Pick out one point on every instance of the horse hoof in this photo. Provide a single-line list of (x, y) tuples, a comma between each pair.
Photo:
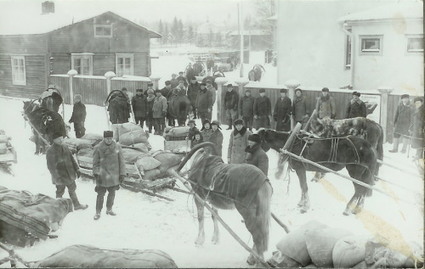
[(250, 260), (346, 213)]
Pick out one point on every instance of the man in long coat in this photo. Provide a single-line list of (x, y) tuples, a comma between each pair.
[(204, 103), (192, 93), (417, 127), (402, 122), (282, 112), (63, 169), (140, 107), (159, 110), (217, 137), (262, 110), (356, 107), (118, 109), (246, 109), (325, 105), (299, 108), (238, 143), (108, 171), (78, 116), (255, 155), (231, 102)]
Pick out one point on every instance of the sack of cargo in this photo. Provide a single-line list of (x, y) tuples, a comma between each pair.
[(181, 131), (3, 148), (115, 130), (75, 144), (146, 163), (349, 251), (131, 155), (83, 256), (142, 147), (379, 255), (94, 138), (152, 174), (167, 159), (128, 127), (294, 244), (320, 244), (281, 260), (133, 137), (4, 139)]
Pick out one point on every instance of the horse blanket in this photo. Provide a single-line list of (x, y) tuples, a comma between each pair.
[(238, 182)]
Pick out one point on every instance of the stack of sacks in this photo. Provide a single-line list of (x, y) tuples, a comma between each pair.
[(317, 245), (87, 141), (156, 164), (130, 134), (4, 143), (176, 133)]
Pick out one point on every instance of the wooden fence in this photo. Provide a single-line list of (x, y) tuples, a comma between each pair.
[(93, 88)]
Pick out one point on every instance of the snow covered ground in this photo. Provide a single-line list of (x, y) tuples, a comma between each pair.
[(145, 222)]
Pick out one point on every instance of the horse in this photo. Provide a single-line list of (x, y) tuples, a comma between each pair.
[(199, 68), (256, 72), (353, 153), (179, 107), (229, 186)]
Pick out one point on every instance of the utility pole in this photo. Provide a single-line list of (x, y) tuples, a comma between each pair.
[(242, 37)]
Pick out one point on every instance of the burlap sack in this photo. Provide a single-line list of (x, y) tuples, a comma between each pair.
[(146, 163), (128, 127), (83, 256), (131, 155), (177, 131), (152, 174), (349, 251), (133, 137), (167, 159), (142, 147)]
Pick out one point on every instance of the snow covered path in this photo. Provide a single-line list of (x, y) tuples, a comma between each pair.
[(145, 222)]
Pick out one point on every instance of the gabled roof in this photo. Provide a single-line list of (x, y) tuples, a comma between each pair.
[(396, 11), (42, 24)]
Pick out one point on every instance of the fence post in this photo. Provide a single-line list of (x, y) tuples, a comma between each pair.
[(385, 92), (71, 73), (220, 82), (292, 84), (109, 75), (241, 84), (155, 81)]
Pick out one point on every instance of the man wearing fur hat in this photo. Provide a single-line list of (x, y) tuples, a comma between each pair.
[(262, 110), (78, 116), (356, 107), (282, 112), (217, 137), (63, 169), (149, 113), (237, 143), (108, 171), (246, 109), (231, 102), (417, 127), (204, 103), (256, 155), (325, 105), (402, 122)]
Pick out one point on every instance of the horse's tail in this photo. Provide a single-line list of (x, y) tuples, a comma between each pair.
[(263, 216)]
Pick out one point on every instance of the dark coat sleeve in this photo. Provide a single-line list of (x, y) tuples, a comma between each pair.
[(363, 110)]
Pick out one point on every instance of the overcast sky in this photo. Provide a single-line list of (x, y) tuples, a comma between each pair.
[(147, 10)]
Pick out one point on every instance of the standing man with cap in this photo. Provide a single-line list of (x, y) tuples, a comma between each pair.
[(217, 137), (150, 87), (192, 130), (299, 108), (149, 114), (192, 94), (262, 110), (167, 90), (325, 105), (78, 116), (282, 112), (108, 171), (231, 101), (417, 128), (64, 169), (140, 107), (238, 143), (256, 155), (246, 109), (356, 107), (159, 110), (181, 77), (204, 103), (212, 90), (402, 122)]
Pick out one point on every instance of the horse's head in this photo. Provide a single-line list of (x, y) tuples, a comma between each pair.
[(198, 156), (30, 106), (272, 139)]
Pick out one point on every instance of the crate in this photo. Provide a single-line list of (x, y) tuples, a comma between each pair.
[(177, 146)]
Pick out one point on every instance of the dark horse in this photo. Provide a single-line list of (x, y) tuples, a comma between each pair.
[(229, 186), (256, 72), (353, 153), (179, 107)]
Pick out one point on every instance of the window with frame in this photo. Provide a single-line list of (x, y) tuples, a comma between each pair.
[(348, 51), (18, 70), (82, 63), (124, 64), (103, 30), (415, 43), (371, 44)]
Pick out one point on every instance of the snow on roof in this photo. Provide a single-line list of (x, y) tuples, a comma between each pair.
[(401, 10), (29, 23)]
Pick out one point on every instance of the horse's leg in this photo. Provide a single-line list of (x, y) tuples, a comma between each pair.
[(349, 208), (304, 203), (317, 176), (216, 234), (359, 206), (201, 232)]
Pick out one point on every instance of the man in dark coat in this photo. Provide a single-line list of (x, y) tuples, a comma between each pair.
[(217, 137), (231, 101), (282, 112), (78, 116), (192, 93), (190, 72), (108, 171), (204, 103), (192, 130), (299, 108), (181, 77), (149, 115), (63, 169), (255, 155), (167, 92), (262, 110), (246, 109), (356, 107), (118, 109), (402, 122), (140, 107), (174, 82), (159, 110), (417, 127)]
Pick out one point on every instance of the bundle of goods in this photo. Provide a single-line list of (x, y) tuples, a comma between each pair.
[(83, 256), (132, 135), (26, 218), (175, 139), (318, 245), (87, 141)]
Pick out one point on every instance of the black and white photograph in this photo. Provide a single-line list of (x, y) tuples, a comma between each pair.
[(212, 133)]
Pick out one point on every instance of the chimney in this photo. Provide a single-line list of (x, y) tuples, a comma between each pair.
[(47, 7)]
